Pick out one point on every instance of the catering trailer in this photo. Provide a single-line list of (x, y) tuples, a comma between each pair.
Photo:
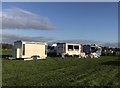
[(68, 49), (29, 50)]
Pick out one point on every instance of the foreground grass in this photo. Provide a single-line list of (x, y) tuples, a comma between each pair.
[(61, 72)]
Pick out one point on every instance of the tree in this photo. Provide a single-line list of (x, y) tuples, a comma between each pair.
[(6, 46)]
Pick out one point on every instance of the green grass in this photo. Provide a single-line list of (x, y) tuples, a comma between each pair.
[(61, 72)]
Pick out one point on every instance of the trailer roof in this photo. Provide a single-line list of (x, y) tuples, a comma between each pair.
[(70, 43), (28, 42)]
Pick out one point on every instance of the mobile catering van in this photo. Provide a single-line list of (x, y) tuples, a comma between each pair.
[(68, 49)]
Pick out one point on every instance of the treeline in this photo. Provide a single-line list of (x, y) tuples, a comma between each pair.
[(6, 46), (106, 51)]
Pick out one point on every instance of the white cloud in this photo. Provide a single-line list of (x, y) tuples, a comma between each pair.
[(16, 18), (10, 38)]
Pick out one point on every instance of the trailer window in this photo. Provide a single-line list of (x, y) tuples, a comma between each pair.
[(76, 47), (70, 47), (23, 49)]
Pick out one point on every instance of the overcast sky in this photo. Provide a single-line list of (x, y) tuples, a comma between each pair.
[(58, 21)]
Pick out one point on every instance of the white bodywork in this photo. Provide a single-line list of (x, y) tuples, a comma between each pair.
[(94, 55), (82, 55), (99, 49), (26, 50), (68, 49)]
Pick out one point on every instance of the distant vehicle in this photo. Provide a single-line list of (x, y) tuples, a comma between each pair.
[(65, 49), (94, 51), (52, 50), (86, 49), (29, 50), (68, 49)]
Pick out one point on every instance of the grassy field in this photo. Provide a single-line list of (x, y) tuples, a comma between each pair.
[(62, 72)]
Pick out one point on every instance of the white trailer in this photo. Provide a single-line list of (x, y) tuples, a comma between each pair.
[(68, 49), (29, 50)]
